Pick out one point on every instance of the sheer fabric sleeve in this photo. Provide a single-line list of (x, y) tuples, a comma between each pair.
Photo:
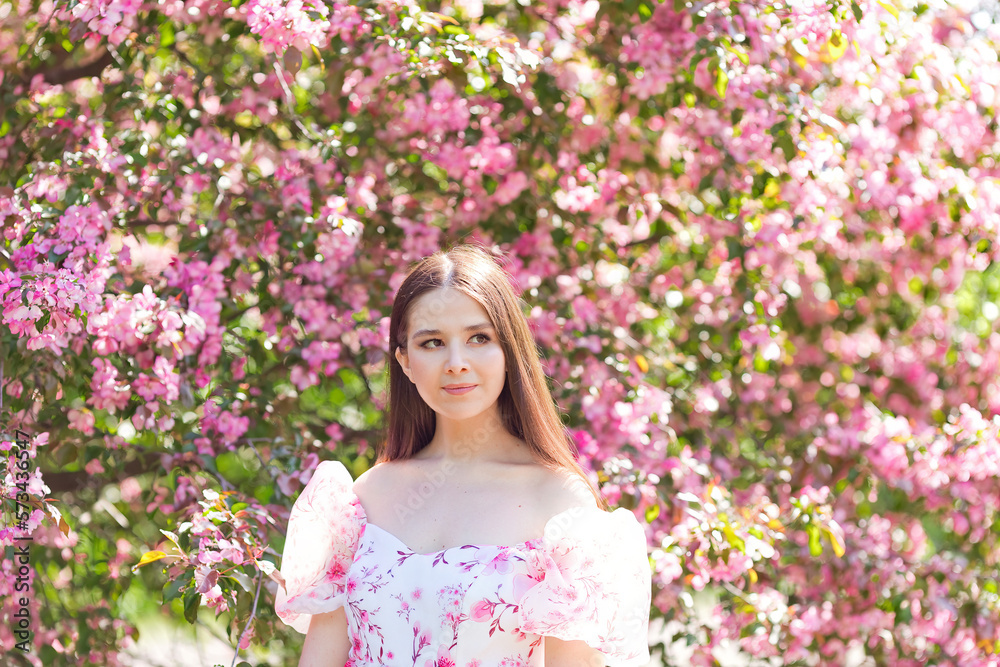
[(593, 584), (324, 526)]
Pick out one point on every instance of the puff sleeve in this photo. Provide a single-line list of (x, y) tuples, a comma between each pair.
[(593, 584), (324, 527)]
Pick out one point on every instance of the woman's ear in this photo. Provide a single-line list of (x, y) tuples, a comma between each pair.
[(403, 362)]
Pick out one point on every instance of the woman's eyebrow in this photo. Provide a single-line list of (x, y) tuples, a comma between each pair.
[(434, 332)]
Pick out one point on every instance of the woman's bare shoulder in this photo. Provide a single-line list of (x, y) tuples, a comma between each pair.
[(559, 490), (379, 478)]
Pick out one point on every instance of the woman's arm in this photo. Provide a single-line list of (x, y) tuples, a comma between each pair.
[(327, 642), (571, 654)]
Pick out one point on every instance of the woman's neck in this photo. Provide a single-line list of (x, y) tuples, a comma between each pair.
[(482, 439)]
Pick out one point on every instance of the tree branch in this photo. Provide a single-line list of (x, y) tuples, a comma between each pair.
[(93, 68), (61, 482)]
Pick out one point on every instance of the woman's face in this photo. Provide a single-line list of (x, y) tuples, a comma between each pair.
[(452, 342)]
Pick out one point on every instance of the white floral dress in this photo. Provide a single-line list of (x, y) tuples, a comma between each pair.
[(587, 579)]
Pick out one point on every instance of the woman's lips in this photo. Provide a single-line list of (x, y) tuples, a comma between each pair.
[(461, 390)]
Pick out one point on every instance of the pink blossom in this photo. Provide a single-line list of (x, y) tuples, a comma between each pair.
[(284, 24), (482, 611)]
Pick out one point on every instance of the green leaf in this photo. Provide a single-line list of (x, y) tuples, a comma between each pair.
[(319, 58), (243, 580), (645, 10), (742, 55), (231, 467), (173, 591), (815, 545), (721, 82), (192, 600), (734, 540), (856, 8), (167, 37), (760, 364), (735, 248), (787, 146), (652, 512)]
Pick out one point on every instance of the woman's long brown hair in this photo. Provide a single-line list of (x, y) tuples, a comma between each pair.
[(527, 409)]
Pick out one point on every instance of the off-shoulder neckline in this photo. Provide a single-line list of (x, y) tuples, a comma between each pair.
[(523, 544), (500, 547)]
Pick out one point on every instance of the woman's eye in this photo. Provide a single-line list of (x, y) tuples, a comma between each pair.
[(427, 343)]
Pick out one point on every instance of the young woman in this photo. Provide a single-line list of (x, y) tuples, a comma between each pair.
[(476, 540)]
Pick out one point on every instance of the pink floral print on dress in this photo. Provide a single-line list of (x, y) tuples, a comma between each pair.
[(587, 578)]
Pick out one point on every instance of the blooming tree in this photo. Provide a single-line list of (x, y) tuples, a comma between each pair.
[(757, 242)]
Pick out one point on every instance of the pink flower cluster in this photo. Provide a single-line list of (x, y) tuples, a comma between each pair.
[(763, 282), (113, 19), (298, 23), (222, 547), (35, 285)]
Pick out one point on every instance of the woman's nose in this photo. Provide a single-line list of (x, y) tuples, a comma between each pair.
[(456, 358)]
